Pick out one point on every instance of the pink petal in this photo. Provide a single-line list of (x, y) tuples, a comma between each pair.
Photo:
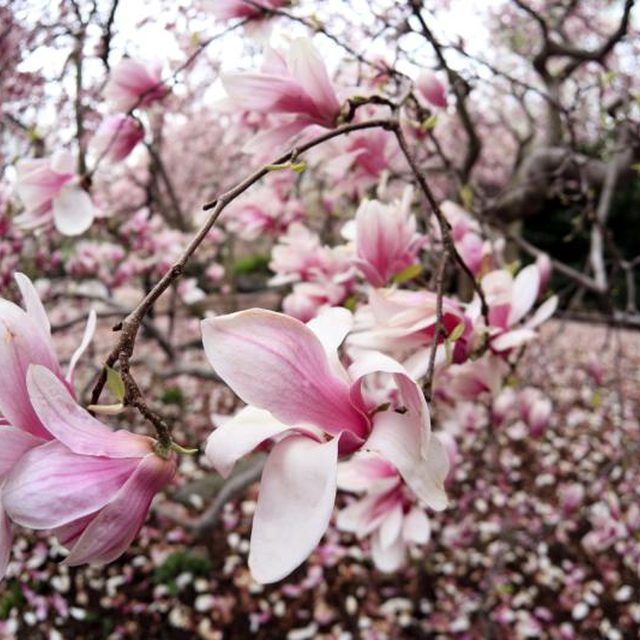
[(308, 68), (389, 558), (15, 443), (525, 291), (6, 540), (115, 527), (32, 303), (63, 162), (67, 421), (391, 526), (331, 327), (73, 211), (268, 93), (431, 89), (398, 438), (275, 362), (69, 533), (239, 436), (89, 330), (51, 486), (416, 527), (364, 471), (543, 313), (297, 493), (22, 342), (511, 339), (375, 362), (274, 138), (355, 518)]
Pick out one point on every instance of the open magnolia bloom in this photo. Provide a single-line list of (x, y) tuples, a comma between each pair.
[(134, 83), (388, 512), (386, 239), (478, 253), (25, 339), (510, 301), (301, 396), (50, 191), (402, 323), (90, 485), (295, 89)]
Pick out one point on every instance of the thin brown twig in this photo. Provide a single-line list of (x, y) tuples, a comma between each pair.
[(428, 383)]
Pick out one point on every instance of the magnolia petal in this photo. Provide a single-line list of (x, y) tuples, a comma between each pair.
[(22, 342), (266, 93), (413, 399), (511, 339), (308, 68), (73, 211), (51, 486), (14, 443), (389, 558), (353, 518), (543, 313), (331, 327), (391, 527), (397, 438), (269, 139), (113, 530), (365, 471), (32, 302), (68, 534), (62, 161), (524, 293), (89, 330), (6, 540), (416, 527), (275, 362), (67, 421), (239, 436), (297, 493)]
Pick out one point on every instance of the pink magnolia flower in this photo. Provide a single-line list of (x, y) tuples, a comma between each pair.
[(386, 239), (431, 89), (322, 276), (300, 395), (510, 300), (402, 323), (359, 161), (296, 256), (308, 299), (388, 512), (264, 213), (477, 253), (134, 84), (116, 137), (472, 379), (90, 485), (25, 340), (296, 90), (230, 9), (49, 189)]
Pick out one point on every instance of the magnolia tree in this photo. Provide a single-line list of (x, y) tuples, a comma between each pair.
[(331, 208)]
